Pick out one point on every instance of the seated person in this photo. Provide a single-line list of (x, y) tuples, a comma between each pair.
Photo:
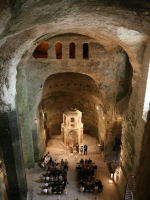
[(47, 178), (60, 178), (46, 185), (62, 162), (81, 161), (89, 161), (81, 188), (50, 190), (100, 186), (45, 191)]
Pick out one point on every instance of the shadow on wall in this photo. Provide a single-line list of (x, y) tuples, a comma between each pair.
[(143, 172)]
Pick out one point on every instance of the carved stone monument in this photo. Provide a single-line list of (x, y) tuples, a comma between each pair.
[(72, 128)]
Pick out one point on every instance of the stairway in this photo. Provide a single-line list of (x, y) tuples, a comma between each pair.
[(130, 190)]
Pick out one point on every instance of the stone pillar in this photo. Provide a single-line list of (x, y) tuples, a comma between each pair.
[(65, 50), (1, 191), (79, 51), (52, 51), (25, 117), (35, 145), (12, 155)]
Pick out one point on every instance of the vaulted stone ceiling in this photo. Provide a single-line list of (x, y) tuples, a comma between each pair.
[(115, 27)]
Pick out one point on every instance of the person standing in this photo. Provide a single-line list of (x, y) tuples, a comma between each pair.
[(77, 148), (85, 149), (81, 150)]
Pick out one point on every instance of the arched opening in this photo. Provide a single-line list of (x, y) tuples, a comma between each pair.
[(72, 50), (58, 48), (63, 92), (75, 91), (41, 51), (85, 51)]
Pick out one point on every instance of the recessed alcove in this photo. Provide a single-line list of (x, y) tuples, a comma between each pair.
[(58, 48), (64, 95), (41, 51), (72, 50)]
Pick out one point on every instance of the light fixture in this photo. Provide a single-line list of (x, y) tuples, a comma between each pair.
[(97, 108), (111, 175), (117, 174), (110, 181)]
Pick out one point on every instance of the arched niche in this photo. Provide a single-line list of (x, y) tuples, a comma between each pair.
[(65, 91), (85, 50), (72, 52), (58, 48), (41, 51)]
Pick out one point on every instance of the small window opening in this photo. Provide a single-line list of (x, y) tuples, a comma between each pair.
[(72, 119), (72, 50), (85, 50), (58, 48), (41, 51)]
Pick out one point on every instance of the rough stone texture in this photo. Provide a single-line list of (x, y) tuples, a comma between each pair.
[(108, 26), (5, 15), (104, 67), (143, 182), (33, 175), (11, 146), (71, 90)]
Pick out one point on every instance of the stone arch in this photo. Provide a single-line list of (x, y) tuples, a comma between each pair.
[(69, 89), (41, 51), (11, 57), (39, 91)]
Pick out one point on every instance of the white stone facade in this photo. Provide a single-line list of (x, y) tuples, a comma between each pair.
[(72, 128)]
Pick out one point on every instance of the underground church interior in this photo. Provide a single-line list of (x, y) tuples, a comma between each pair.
[(74, 100)]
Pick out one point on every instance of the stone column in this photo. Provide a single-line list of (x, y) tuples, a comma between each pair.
[(79, 51), (1, 191), (10, 142), (25, 117), (65, 50), (52, 51)]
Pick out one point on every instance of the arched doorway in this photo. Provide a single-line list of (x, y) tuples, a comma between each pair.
[(67, 91)]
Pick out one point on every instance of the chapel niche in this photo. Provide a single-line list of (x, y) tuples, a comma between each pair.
[(72, 128)]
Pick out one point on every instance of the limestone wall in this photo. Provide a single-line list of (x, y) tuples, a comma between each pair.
[(108, 26)]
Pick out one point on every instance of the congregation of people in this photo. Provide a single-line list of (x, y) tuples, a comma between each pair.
[(87, 180), (54, 179)]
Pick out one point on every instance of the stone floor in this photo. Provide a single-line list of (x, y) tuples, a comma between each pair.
[(59, 151)]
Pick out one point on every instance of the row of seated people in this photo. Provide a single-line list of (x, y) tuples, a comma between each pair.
[(54, 179), (47, 160), (86, 177), (86, 168)]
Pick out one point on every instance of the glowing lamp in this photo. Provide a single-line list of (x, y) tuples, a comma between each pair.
[(110, 181)]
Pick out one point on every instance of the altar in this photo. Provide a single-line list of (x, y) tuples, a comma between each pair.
[(72, 128)]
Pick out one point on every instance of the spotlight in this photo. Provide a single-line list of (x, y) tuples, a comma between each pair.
[(110, 181)]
